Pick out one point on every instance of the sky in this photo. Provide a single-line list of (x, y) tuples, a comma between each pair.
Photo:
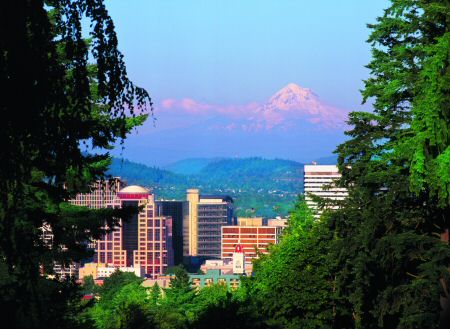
[(223, 54)]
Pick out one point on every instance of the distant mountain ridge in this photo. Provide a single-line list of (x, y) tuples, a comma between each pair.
[(190, 166), (268, 186)]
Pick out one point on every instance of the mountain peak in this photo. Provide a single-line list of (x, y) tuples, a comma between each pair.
[(292, 96), (295, 88)]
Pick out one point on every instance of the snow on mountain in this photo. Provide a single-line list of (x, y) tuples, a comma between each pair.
[(293, 105), (289, 108)]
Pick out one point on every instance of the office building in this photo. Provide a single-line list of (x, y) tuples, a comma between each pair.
[(319, 180), (204, 216), (144, 240), (101, 195), (250, 238), (174, 209)]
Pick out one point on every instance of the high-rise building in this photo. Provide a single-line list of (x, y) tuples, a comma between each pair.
[(250, 238), (204, 216), (101, 195), (319, 180), (143, 240), (174, 209)]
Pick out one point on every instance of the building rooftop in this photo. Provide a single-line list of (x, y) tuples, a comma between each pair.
[(134, 189), (216, 196)]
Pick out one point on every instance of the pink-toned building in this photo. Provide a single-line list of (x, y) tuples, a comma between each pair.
[(251, 238), (144, 240), (101, 195)]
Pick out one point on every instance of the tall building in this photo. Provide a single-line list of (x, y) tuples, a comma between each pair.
[(101, 195), (144, 240), (70, 270), (249, 237), (174, 209), (204, 216), (319, 180)]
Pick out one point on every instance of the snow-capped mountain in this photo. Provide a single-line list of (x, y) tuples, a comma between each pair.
[(294, 103), (294, 123), (289, 108)]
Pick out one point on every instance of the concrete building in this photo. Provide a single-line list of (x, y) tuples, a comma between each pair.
[(251, 238), (101, 195), (281, 222), (174, 209), (319, 180), (144, 240), (250, 221), (98, 270), (204, 216), (211, 277)]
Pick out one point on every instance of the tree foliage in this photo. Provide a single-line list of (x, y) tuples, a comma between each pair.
[(392, 264), (75, 96)]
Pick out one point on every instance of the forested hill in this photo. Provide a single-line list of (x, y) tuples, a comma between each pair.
[(268, 186)]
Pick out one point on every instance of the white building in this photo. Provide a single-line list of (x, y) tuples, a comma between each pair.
[(107, 271), (319, 180)]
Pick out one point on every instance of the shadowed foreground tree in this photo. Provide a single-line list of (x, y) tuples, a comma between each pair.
[(56, 105), (393, 265)]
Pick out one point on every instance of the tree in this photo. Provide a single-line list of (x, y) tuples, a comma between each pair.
[(392, 264), (89, 286), (181, 278), (155, 293), (68, 105), (124, 304), (293, 285)]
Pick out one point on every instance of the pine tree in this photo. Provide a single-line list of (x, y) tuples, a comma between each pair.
[(393, 266), (75, 96)]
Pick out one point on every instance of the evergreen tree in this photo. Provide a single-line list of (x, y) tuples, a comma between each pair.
[(293, 285), (68, 105), (155, 293), (393, 266)]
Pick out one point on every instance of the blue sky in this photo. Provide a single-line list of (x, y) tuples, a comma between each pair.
[(237, 52)]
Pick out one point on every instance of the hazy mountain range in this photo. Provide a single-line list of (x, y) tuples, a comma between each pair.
[(258, 186), (294, 123)]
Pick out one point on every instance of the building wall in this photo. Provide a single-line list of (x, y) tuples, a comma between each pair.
[(317, 178), (212, 277), (204, 217), (191, 223), (145, 240), (211, 218), (174, 209), (250, 237), (102, 194), (250, 221)]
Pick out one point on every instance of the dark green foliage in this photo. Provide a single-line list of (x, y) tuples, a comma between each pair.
[(65, 102), (88, 285), (393, 266), (293, 286), (129, 305), (181, 279)]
